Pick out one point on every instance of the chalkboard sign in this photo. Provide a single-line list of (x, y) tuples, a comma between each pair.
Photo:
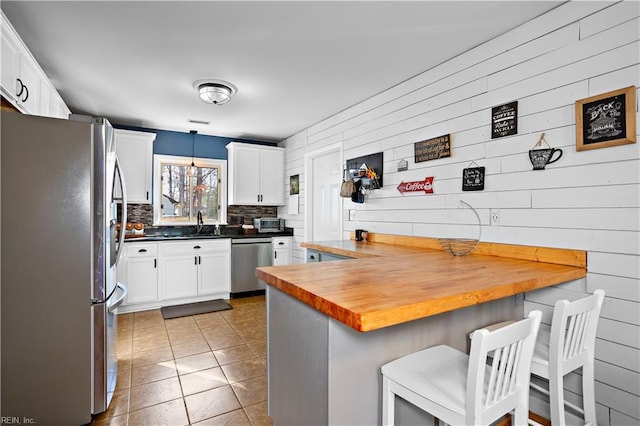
[(473, 179), (504, 120), (606, 120), (432, 149)]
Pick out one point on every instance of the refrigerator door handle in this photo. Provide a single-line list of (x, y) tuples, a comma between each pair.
[(120, 300), (124, 210)]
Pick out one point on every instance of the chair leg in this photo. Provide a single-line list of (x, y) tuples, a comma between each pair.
[(388, 403), (520, 416), (588, 394), (556, 399)]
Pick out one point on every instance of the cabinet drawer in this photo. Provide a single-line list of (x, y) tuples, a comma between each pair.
[(195, 246), (281, 242), (141, 250)]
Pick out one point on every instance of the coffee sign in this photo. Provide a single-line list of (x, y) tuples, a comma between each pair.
[(432, 149), (504, 120), (425, 186)]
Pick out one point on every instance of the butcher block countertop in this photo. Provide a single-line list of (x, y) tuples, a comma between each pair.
[(392, 279)]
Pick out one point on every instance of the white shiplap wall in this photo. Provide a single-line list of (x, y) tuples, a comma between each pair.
[(587, 200)]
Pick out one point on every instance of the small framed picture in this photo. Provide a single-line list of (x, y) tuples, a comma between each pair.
[(294, 185), (606, 120)]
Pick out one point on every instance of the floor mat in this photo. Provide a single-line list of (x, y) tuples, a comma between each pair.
[(176, 311)]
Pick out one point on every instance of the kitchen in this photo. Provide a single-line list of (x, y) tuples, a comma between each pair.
[(586, 201)]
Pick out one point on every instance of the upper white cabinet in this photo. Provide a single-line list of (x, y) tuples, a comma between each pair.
[(23, 83), (256, 174), (135, 152)]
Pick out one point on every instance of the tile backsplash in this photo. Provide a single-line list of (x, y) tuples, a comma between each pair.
[(236, 215)]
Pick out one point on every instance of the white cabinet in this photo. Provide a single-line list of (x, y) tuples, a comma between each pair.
[(23, 83), (135, 152), (139, 272), (174, 272), (195, 268), (281, 251), (256, 174)]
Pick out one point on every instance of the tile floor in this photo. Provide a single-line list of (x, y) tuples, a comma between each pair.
[(207, 369)]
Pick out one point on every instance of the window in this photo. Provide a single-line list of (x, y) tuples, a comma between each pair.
[(179, 195)]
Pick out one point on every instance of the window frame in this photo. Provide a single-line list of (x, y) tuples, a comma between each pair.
[(221, 165)]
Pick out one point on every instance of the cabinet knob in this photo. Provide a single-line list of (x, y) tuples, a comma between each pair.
[(197, 247), (142, 251), (281, 243)]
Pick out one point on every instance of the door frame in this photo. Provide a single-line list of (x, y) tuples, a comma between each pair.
[(308, 185)]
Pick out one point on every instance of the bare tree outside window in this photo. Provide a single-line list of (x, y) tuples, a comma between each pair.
[(184, 195)]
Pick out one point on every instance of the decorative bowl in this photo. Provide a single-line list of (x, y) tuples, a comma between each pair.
[(458, 246)]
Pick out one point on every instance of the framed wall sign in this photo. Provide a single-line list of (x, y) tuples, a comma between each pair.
[(432, 149), (504, 120), (473, 179), (294, 184), (606, 120)]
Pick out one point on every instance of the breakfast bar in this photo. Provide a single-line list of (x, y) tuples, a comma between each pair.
[(331, 325)]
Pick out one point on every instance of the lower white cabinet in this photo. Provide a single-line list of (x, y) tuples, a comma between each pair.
[(281, 250), (140, 272), (173, 272)]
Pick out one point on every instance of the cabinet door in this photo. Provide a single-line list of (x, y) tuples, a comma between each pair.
[(30, 78), (281, 250), (142, 279), (272, 177), (215, 273), (179, 276), (244, 182), (9, 66), (135, 152)]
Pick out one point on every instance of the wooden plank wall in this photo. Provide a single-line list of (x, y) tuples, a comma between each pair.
[(586, 201)]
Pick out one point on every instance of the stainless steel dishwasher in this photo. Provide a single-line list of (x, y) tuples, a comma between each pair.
[(246, 255)]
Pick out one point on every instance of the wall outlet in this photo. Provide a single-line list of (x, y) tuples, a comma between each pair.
[(495, 217), (352, 215)]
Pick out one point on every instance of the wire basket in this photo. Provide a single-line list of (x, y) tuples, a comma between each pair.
[(458, 246), (462, 246)]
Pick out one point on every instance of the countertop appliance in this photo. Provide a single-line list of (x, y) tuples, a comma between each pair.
[(246, 255), (269, 224), (59, 256)]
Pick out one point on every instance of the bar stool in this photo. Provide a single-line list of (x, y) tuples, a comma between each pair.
[(461, 389), (568, 346)]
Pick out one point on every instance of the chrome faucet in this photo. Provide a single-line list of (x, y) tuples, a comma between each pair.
[(200, 223)]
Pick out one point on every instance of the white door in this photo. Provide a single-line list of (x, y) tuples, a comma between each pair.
[(326, 204)]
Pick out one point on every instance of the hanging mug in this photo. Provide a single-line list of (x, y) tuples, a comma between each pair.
[(541, 157)]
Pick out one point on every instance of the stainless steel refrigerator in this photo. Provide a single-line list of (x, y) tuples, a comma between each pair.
[(59, 252)]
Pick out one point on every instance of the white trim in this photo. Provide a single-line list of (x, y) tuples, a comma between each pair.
[(308, 184), (158, 159)]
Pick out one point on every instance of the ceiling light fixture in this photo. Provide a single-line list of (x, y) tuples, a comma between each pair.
[(216, 92)]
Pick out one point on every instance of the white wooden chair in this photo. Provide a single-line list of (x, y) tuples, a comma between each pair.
[(461, 389), (568, 346)]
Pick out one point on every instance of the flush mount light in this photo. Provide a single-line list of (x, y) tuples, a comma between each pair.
[(216, 92)]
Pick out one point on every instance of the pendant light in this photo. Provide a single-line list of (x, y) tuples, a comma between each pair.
[(192, 168)]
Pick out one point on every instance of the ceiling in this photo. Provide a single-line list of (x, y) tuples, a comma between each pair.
[(295, 63)]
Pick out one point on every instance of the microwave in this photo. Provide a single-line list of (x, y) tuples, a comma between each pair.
[(269, 224)]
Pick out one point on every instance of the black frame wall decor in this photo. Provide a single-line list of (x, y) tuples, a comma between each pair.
[(504, 120), (606, 120), (473, 178), (373, 161), (432, 149)]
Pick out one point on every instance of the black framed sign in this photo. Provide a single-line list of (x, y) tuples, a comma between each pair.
[(504, 120), (432, 149), (473, 179), (606, 120)]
